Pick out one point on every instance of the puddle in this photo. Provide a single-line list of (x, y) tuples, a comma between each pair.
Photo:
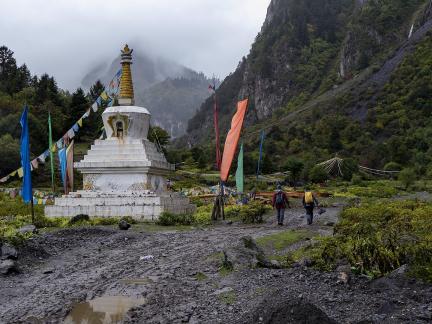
[(102, 310)]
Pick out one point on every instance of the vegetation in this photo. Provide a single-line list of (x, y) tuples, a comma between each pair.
[(377, 238)]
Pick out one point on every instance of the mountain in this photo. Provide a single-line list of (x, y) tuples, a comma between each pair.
[(170, 91), (326, 77)]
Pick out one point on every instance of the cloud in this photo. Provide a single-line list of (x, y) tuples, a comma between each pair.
[(66, 38)]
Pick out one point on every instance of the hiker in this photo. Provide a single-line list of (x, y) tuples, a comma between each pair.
[(309, 203), (280, 202)]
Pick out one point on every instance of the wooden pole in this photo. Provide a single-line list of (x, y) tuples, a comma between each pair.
[(32, 211)]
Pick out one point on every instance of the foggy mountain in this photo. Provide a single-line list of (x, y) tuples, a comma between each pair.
[(170, 91)]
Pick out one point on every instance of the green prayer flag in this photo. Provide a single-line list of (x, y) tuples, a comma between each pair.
[(51, 151), (239, 172)]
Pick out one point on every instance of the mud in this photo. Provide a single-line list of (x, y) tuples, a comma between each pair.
[(183, 282)]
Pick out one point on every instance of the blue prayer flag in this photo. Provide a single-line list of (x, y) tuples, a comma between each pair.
[(63, 165), (25, 158)]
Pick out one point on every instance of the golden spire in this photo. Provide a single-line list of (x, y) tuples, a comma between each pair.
[(126, 85)]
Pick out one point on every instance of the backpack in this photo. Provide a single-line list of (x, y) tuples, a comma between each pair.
[(309, 197), (279, 198)]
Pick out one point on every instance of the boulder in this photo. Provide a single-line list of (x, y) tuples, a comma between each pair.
[(8, 252), (246, 254), (8, 266), (79, 218), (123, 225), (275, 309), (28, 229)]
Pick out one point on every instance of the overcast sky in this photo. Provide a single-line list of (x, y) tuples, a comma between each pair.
[(64, 38)]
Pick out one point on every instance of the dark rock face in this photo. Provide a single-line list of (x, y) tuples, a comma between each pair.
[(275, 311), (123, 225), (79, 218)]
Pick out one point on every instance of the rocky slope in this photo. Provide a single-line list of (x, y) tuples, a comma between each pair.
[(311, 48)]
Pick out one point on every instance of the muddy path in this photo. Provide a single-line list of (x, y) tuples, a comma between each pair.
[(181, 282)]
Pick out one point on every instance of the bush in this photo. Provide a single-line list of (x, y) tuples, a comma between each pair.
[(253, 212), (169, 219), (407, 177), (392, 166), (317, 174), (378, 238)]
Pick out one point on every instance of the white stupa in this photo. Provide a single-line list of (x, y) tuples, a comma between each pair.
[(124, 174)]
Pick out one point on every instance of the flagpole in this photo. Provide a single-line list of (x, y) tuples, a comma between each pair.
[(51, 152)]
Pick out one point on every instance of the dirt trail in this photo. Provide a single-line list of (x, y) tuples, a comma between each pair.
[(62, 268)]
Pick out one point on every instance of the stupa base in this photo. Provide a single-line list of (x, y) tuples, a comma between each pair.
[(143, 205)]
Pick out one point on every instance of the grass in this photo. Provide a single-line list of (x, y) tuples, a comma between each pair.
[(281, 240), (200, 276), (228, 297)]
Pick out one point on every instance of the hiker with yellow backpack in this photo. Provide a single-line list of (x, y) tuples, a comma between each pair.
[(309, 203)]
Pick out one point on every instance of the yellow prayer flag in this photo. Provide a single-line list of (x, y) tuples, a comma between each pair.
[(104, 96), (40, 201), (20, 172), (54, 148), (13, 174), (79, 122)]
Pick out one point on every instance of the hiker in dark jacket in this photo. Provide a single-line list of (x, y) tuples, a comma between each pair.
[(280, 202), (309, 203)]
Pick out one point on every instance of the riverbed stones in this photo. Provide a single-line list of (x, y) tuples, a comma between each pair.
[(8, 266), (8, 252)]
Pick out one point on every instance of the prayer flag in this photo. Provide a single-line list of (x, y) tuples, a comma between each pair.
[(75, 127), (59, 143), (104, 96), (63, 164), (4, 179), (232, 139), (95, 106), (86, 114), (70, 133), (13, 174), (239, 172), (27, 193), (69, 166), (35, 164), (20, 172), (79, 122)]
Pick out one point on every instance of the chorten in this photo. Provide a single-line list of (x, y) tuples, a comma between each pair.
[(124, 174)]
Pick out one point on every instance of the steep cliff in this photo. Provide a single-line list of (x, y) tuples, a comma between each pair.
[(312, 49)]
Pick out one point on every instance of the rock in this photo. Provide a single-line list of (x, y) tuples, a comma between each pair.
[(79, 218), (123, 225), (8, 252), (8, 266), (223, 291), (275, 263), (28, 229), (387, 307), (306, 262), (247, 254), (229, 222), (344, 272), (275, 309), (48, 271), (329, 224)]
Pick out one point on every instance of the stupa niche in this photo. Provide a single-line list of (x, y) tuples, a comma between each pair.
[(124, 174)]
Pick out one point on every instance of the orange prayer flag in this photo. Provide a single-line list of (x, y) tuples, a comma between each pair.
[(232, 139)]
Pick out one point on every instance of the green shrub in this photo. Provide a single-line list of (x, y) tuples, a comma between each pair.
[(169, 219), (317, 174), (379, 237), (407, 177), (253, 212)]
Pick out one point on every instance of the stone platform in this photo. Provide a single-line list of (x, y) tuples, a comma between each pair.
[(138, 205)]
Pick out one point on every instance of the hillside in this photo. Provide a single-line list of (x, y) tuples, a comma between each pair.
[(334, 77), (170, 91)]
